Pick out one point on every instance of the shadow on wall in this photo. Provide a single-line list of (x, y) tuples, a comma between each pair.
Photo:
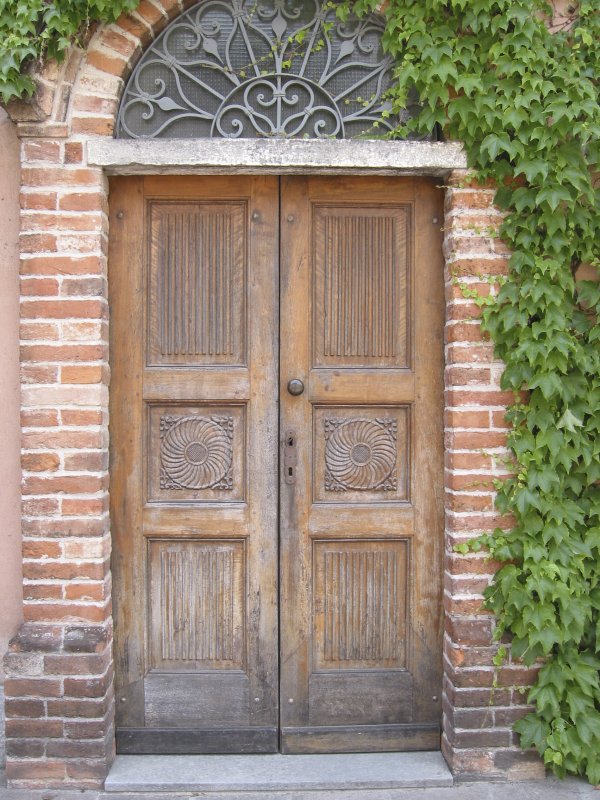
[(11, 593)]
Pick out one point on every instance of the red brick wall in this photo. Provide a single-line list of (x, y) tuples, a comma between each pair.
[(480, 702), (59, 702), (59, 694)]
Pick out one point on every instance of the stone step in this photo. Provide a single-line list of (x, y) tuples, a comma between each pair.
[(277, 772)]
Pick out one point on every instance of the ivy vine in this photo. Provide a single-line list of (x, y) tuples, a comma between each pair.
[(33, 30), (523, 97)]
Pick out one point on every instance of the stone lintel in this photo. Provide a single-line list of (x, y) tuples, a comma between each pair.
[(274, 156)]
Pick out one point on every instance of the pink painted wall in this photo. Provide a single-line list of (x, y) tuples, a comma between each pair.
[(11, 592)]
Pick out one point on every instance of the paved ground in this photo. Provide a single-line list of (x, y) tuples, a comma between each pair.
[(551, 789)]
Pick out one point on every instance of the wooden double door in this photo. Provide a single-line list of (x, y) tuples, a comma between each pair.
[(276, 463)]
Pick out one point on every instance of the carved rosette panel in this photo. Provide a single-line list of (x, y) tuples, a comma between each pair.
[(360, 454), (196, 452)]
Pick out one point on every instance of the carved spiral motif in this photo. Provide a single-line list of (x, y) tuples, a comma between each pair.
[(360, 454), (196, 453)]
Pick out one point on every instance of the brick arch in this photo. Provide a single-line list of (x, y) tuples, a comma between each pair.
[(80, 95), (59, 687), (111, 56)]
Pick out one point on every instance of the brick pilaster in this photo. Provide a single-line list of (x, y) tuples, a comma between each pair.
[(480, 702), (59, 700), (59, 706)]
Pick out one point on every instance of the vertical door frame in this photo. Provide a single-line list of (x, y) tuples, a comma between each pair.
[(361, 170)]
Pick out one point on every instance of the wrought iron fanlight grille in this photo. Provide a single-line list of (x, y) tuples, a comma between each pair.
[(261, 68)]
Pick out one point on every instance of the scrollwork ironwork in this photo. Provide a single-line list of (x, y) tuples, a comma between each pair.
[(260, 68)]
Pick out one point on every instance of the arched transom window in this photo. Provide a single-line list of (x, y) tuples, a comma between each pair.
[(261, 68)]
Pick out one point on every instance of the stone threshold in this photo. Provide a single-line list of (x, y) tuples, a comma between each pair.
[(268, 773)]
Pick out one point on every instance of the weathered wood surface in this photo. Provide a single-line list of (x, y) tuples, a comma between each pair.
[(194, 460), (361, 527), (196, 348)]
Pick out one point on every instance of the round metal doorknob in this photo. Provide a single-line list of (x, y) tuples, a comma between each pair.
[(295, 386)]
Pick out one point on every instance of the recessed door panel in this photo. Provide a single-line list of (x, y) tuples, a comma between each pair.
[(360, 304), (197, 282)]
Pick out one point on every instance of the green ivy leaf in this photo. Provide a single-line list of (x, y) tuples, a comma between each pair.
[(569, 421)]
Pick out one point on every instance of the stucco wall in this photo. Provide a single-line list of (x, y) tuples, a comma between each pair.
[(10, 470)]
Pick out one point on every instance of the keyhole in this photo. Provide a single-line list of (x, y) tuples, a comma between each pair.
[(289, 455)]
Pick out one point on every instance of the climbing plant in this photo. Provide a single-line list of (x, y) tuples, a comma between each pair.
[(524, 101), (31, 30), (522, 95)]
